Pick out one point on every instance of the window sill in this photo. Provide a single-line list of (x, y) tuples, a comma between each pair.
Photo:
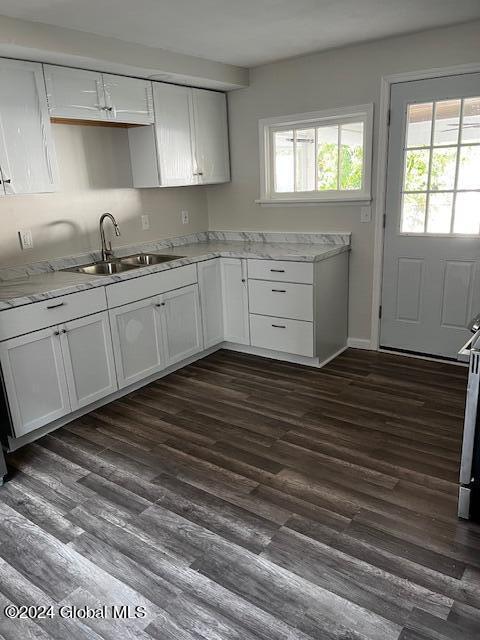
[(312, 202)]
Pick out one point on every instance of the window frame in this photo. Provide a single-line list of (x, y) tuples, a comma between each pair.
[(267, 127)]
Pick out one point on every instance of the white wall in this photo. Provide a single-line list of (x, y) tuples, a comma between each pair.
[(95, 176), (337, 78)]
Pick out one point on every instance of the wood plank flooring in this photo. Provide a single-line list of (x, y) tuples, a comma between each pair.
[(241, 498)]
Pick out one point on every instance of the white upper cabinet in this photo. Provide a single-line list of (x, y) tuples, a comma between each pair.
[(188, 144), (75, 93), (128, 99), (90, 95), (173, 132), (27, 153), (209, 110)]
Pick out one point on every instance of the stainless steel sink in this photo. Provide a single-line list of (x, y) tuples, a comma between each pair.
[(145, 259), (105, 268)]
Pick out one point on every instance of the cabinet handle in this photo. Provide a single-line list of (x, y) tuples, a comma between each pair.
[(7, 181), (243, 280), (56, 333), (277, 270), (64, 330), (279, 291), (55, 306), (279, 326), (159, 304)]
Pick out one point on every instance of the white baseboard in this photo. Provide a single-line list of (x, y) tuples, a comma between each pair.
[(281, 355), (360, 343)]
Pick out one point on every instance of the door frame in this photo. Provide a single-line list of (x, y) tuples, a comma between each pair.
[(381, 186)]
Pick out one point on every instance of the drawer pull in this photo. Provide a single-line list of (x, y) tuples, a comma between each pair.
[(55, 306), (279, 291), (277, 270), (279, 326)]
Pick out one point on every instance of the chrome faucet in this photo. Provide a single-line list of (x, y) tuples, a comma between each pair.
[(107, 248)]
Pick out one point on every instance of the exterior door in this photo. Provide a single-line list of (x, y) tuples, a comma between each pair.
[(88, 356), (235, 300), (137, 340), (128, 99), (34, 378), (431, 270), (173, 130), (75, 93), (211, 136), (182, 326), (210, 285), (27, 153)]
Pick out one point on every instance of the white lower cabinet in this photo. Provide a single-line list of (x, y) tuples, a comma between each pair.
[(35, 380), (88, 357), (182, 325), (235, 300), (210, 285), (137, 340)]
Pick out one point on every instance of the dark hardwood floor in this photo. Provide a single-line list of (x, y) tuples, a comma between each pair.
[(243, 498)]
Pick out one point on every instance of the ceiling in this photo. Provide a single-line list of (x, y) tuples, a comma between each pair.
[(244, 32)]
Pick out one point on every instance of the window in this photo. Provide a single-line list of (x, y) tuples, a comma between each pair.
[(319, 156), (441, 177)]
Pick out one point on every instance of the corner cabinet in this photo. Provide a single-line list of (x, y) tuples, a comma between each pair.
[(27, 154), (188, 145), (235, 300), (91, 95)]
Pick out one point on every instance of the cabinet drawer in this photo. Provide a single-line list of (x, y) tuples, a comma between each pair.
[(47, 313), (282, 270), (279, 334), (282, 299), (151, 285)]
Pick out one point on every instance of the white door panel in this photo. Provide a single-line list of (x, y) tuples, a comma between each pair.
[(35, 380), (27, 152), (88, 356), (235, 300), (432, 233), (128, 99), (210, 286), (75, 93), (182, 327), (211, 136)]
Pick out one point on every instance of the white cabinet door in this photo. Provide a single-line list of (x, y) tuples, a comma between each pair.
[(88, 356), (75, 93), (235, 300), (137, 340), (34, 378), (211, 136), (182, 327), (27, 153), (173, 132), (128, 99), (210, 286)]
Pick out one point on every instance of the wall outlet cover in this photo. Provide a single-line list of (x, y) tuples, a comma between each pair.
[(145, 222), (26, 238), (366, 214), (184, 216)]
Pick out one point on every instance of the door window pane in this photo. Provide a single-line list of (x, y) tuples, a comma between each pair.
[(467, 213), (413, 212), (305, 160), (327, 158), (469, 168), (419, 125), (447, 122), (283, 150), (351, 155), (471, 120), (416, 169), (439, 212), (444, 164)]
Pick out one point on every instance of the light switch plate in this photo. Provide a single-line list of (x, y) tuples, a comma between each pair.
[(184, 216), (26, 238), (145, 222), (366, 214)]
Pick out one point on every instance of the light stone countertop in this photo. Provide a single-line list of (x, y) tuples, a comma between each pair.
[(33, 283)]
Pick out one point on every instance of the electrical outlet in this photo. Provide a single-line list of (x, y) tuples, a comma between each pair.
[(184, 216), (145, 222), (26, 239), (366, 214)]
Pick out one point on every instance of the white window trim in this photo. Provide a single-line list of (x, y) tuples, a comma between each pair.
[(363, 112)]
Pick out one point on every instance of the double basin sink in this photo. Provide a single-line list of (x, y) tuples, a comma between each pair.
[(117, 265)]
